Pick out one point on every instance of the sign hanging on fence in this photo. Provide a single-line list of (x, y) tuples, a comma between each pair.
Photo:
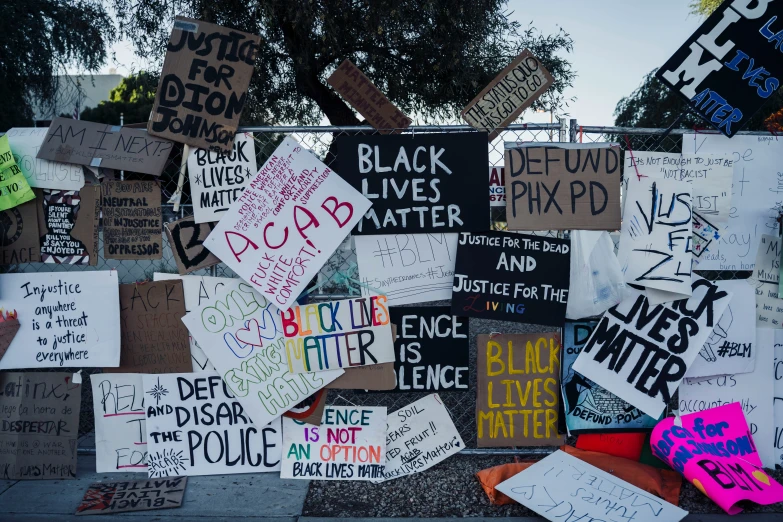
[(497, 186), (203, 84), (14, 189), (726, 83), (375, 377), (132, 224), (40, 173), (142, 495), (20, 241), (421, 183), (186, 239), (68, 225)]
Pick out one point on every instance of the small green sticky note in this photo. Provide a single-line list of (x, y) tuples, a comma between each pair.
[(14, 189)]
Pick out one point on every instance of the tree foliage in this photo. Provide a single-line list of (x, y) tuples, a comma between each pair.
[(430, 57), (133, 98), (705, 7), (40, 38)]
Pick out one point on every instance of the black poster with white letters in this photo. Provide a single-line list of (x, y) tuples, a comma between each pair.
[(418, 183), (512, 277)]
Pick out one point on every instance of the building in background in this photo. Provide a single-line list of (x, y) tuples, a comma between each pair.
[(76, 93)]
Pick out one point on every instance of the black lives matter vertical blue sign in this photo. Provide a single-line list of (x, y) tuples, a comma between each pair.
[(729, 67)]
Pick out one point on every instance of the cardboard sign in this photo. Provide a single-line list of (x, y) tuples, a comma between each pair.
[(715, 451), (421, 183), (105, 146), (710, 71), (311, 409), (68, 225), (218, 178), (407, 268), (203, 84), (589, 406), (375, 377), (561, 485), (419, 436), (67, 319), (625, 445), (25, 143), (751, 390), (192, 419), (348, 445), (512, 277), (512, 91), (557, 188), (120, 422), (9, 325), (40, 426), (154, 339), (14, 189), (186, 238), (142, 495), (663, 342), (778, 396), (755, 192), (518, 390), (338, 334), (367, 99), (497, 186), (19, 238), (242, 334), (433, 352), (731, 347), (291, 217), (132, 224)]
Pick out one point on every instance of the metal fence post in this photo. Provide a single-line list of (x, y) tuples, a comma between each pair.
[(573, 127)]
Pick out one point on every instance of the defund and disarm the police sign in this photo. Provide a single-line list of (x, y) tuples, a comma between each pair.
[(729, 67)]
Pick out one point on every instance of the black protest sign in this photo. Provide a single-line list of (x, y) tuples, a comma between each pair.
[(433, 352), (186, 238), (731, 65), (203, 85), (512, 277), (141, 495), (421, 183), (19, 241)]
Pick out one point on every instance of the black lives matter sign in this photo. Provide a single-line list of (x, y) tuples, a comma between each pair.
[(422, 183), (203, 85), (729, 67)]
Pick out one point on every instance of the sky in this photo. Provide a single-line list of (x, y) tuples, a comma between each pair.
[(616, 43)]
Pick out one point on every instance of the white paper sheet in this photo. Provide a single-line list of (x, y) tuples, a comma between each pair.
[(41, 173), (120, 422)]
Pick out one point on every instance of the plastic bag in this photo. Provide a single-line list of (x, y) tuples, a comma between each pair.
[(597, 281)]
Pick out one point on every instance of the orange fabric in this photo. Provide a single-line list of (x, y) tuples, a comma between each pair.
[(662, 483), (626, 445)]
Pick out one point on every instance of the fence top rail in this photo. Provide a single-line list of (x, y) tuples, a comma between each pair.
[(587, 129), (411, 129)]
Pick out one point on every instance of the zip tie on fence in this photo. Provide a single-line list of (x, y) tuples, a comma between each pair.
[(183, 167), (633, 160), (344, 277)]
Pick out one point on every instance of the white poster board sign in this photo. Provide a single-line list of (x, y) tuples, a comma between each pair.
[(25, 143), (419, 436), (562, 487), (731, 347), (120, 422), (241, 334), (778, 398), (218, 178), (754, 391), (292, 215), (196, 427), (67, 319), (756, 195), (407, 268), (497, 187), (349, 444), (641, 352)]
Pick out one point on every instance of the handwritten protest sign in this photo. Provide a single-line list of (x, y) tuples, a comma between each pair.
[(67, 319), (421, 183), (663, 341), (203, 84), (375, 377), (419, 436), (497, 186), (518, 390), (407, 268), (105, 146), (132, 224), (712, 77), (40, 425), (291, 217), (25, 143), (348, 445), (154, 339), (512, 91), (755, 196), (68, 225), (560, 485), (433, 352), (20, 241), (512, 277), (193, 421), (9, 325), (777, 339), (120, 422), (218, 178), (142, 495), (765, 281), (589, 406), (14, 189), (186, 239), (714, 450), (338, 334), (367, 99), (557, 188), (242, 334)]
